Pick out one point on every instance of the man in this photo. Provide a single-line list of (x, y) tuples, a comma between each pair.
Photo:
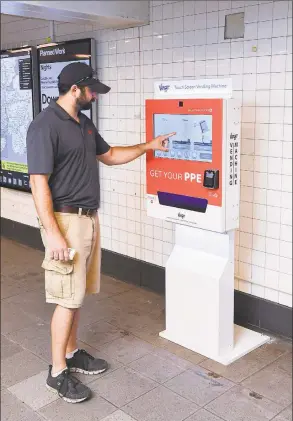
[(63, 146)]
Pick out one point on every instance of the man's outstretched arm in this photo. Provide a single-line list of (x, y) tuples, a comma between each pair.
[(118, 155)]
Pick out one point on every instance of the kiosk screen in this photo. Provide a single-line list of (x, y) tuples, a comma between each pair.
[(193, 139)]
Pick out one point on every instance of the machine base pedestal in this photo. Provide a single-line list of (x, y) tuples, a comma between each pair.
[(245, 341)]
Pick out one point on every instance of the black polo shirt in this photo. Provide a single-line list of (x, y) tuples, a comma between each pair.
[(60, 146)]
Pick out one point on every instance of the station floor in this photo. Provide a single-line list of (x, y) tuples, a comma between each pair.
[(149, 378)]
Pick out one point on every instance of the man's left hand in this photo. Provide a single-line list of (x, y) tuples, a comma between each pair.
[(160, 143)]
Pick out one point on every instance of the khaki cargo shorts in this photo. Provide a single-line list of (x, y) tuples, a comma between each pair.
[(67, 283)]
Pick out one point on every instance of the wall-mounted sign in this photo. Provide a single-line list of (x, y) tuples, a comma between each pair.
[(53, 58), (28, 83), (19, 105)]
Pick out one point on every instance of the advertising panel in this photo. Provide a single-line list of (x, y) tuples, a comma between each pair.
[(53, 58), (28, 83), (17, 111)]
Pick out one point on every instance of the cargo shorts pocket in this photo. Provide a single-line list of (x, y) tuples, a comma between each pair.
[(58, 278)]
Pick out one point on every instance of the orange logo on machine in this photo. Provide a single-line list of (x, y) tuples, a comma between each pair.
[(195, 149)]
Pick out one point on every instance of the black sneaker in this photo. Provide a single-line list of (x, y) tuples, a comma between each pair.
[(68, 387), (83, 362)]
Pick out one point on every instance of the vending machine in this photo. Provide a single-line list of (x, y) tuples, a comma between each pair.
[(196, 185)]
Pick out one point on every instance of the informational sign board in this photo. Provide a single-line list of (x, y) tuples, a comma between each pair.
[(18, 107), (53, 58), (28, 84)]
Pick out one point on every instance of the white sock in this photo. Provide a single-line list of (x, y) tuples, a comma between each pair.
[(70, 354), (59, 372)]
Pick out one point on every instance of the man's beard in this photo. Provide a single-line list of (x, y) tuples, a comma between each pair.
[(83, 104)]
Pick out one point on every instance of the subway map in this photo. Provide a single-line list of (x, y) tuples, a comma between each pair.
[(16, 111)]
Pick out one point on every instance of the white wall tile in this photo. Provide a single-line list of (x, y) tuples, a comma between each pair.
[(262, 99), (247, 178), (273, 230), (287, 116), (286, 200), (249, 81), (271, 294), (260, 179), (290, 10), (288, 97), (178, 9), (251, 31), (190, 7), (280, 27), (277, 98), (259, 212), (286, 217), (278, 63), (225, 4), (251, 14), (259, 227), (259, 243), (289, 49), (285, 283), (286, 265), (265, 29), (265, 11), (285, 299), (212, 6), (278, 81), (272, 262), (244, 286), (272, 246), (263, 64), (167, 11), (279, 45), (274, 198), (258, 258), (245, 271), (285, 249), (258, 275), (258, 290), (288, 133), (280, 9), (274, 181)]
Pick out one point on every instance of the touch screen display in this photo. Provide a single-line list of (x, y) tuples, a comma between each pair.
[(193, 139)]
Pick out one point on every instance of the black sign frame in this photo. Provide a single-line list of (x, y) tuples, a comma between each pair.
[(83, 46), (13, 179), (75, 50)]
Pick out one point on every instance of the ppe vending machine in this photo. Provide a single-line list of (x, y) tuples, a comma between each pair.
[(196, 185)]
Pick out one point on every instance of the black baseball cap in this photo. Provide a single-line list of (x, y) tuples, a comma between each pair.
[(81, 74)]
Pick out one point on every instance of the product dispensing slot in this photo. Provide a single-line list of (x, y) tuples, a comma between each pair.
[(196, 204)]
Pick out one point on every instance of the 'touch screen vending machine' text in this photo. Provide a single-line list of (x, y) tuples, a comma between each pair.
[(196, 185)]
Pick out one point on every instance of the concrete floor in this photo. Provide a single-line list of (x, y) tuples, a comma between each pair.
[(150, 379)]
